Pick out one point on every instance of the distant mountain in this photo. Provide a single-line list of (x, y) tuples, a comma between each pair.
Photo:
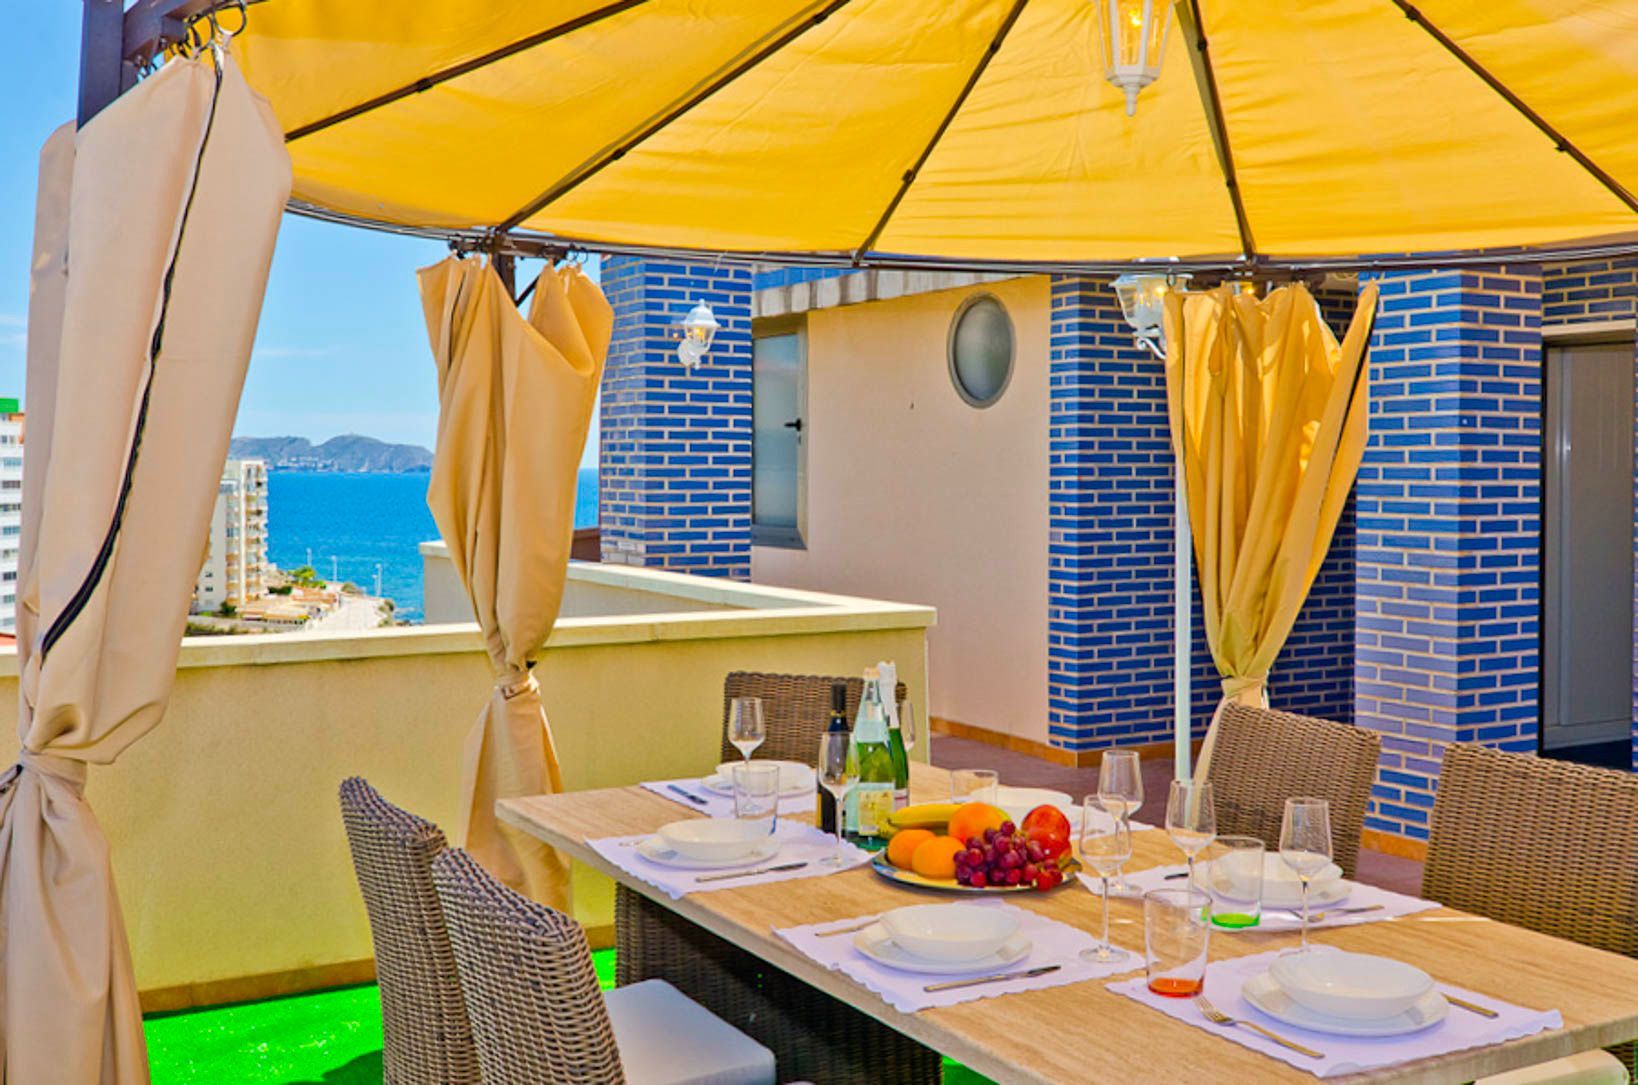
[(347, 453)]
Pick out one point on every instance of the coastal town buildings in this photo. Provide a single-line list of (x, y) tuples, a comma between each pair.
[(11, 510), (235, 569)]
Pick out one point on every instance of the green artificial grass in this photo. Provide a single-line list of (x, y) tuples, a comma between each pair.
[(327, 1038)]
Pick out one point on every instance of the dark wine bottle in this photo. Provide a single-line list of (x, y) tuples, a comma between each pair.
[(838, 723)]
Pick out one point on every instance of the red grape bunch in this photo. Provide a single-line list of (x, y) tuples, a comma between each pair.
[(1008, 857)]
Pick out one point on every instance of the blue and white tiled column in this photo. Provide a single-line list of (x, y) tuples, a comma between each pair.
[(675, 469), (1449, 529), (1109, 563)]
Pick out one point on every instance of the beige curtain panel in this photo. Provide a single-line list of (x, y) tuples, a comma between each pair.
[(136, 356), (1268, 417), (515, 398)]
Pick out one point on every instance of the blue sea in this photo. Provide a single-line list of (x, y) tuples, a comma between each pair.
[(345, 524)]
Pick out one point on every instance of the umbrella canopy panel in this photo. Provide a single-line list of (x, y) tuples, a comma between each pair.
[(976, 130)]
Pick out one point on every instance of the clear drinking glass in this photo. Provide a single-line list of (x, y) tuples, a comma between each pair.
[(837, 774), (974, 785), (1176, 941), (1305, 844), (745, 727), (1106, 845), (756, 793), (907, 725), (1232, 875), (1120, 790), (1191, 819)]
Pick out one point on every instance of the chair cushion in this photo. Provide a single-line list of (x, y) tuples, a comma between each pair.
[(666, 1038), (1587, 1068)]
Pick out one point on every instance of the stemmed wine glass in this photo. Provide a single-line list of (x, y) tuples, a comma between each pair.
[(1120, 791), (745, 727), (1305, 845), (907, 725), (1191, 818), (1106, 845), (837, 774)]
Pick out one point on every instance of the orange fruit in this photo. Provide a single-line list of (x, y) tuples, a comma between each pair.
[(935, 858), (971, 819), (904, 845)]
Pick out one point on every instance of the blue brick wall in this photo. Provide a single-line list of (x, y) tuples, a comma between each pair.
[(675, 461), (1590, 292), (1109, 656), (766, 277), (1449, 528)]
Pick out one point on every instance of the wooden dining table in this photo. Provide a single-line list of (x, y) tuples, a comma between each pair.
[(1084, 1032)]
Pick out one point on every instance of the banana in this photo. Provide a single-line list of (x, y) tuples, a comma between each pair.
[(924, 815)]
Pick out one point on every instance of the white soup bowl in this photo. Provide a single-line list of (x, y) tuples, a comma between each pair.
[(950, 932), (713, 839), (1350, 986)]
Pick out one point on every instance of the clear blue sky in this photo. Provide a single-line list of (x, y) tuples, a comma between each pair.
[(341, 347)]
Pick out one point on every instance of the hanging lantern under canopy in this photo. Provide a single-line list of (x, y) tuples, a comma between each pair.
[(1134, 43)]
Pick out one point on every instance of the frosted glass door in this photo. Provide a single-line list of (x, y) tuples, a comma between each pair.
[(778, 391), (1587, 605)]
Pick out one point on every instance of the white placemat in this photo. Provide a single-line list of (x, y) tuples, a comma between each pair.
[(714, 805), (1052, 943), (1461, 1029), (797, 843), (1389, 905)]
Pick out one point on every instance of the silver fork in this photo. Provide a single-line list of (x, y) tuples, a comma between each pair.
[(1218, 1017)]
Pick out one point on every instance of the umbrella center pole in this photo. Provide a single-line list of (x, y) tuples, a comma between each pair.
[(1183, 628)]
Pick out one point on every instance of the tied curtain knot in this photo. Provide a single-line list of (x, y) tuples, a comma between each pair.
[(1246, 689), (65, 770), (515, 683)]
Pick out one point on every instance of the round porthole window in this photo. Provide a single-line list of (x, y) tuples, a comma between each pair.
[(980, 350)]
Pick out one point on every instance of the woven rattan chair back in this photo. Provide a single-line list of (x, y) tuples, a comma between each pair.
[(532, 995), (795, 711), (1537, 843), (423, 1018), (1542, 844), (1262, 758)]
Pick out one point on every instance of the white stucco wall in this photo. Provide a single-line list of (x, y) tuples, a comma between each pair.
[(914, 495)]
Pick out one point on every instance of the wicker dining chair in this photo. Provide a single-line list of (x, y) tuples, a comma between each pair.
[(795, 711), (1262, 758), (540, 1016), (427, 1040), (1543, 844), (813, 1035)]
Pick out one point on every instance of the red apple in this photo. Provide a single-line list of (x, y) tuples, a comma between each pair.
[(1046, 819)]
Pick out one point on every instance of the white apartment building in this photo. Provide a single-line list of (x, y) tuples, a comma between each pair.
[(11, 510), (235, 570)]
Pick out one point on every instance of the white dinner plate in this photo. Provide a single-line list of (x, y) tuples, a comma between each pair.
[(1282, 890), (795, 778), (1268, 997), (874, 942), (654, 850)]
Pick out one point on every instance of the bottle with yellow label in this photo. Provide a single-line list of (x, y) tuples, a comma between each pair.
[(871, 800)]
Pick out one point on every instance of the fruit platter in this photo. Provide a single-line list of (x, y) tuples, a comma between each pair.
[(974, 847)]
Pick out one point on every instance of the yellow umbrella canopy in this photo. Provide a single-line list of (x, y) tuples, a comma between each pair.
[(964, 130)]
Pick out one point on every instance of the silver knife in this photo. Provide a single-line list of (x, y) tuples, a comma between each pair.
[(695, 799), (751, 873), (952, 985)]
